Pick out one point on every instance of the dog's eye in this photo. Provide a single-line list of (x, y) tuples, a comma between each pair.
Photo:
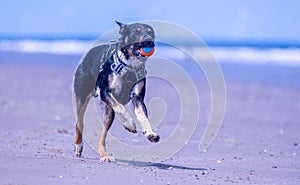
[(149, 30), (138, 29)]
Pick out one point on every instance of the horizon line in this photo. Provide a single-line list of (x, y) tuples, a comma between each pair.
[(218, 42)]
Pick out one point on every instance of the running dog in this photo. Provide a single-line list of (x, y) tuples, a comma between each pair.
[(117, 71)]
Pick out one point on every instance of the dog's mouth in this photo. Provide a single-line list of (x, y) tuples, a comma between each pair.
[(143, 49)]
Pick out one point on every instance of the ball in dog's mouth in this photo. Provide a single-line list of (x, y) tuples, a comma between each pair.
[(144, 49), (147, 51)]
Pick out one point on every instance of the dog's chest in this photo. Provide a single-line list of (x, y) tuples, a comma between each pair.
[(121, 87), (128, 71), (122, 79)]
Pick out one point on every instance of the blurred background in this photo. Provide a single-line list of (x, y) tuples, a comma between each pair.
[(229, 20), (68, 27)]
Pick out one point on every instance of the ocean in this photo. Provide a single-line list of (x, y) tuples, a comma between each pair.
[(260, 53)]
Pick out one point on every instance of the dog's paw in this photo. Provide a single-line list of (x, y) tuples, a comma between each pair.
[(130, 126), (107, 159), (152, 136), (78, 148), (129, 129)]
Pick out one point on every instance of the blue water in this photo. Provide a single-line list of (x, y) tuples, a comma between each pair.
[(282, 53), (209, 41)]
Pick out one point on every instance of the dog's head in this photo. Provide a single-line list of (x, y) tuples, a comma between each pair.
[(135, 37)]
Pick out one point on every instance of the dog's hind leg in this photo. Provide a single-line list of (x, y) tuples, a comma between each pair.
[(81, 105), (109, 116)]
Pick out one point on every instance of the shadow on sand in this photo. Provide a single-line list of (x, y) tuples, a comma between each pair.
[(157, 165), (162, 166)]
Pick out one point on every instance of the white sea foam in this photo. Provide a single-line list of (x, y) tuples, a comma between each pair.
[(281, 56), (249, 55), (67, 47)]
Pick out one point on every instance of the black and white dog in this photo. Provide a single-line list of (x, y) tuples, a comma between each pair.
[(118, 70)]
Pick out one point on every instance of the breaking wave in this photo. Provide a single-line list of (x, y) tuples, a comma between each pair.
[(255, 55)]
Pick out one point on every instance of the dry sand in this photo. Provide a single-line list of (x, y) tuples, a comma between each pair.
[(257, 144)]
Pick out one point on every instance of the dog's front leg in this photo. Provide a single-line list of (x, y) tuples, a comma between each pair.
[(140, 110), (123, 115)]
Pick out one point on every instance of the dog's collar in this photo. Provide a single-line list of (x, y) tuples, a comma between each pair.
[(121, 58), (121, 66)]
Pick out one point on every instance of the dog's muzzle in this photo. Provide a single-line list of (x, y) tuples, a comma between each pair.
[(143, 49)]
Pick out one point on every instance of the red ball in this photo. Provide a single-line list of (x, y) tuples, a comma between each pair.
[(146, 52)]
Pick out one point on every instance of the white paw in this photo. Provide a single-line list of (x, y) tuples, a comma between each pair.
[(152, 136), (78, 148), (107, 159), (130, 125)]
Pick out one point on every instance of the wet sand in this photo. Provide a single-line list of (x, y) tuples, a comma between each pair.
[(257, 144)]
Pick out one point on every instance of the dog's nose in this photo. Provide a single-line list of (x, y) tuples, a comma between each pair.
[(147, 38)]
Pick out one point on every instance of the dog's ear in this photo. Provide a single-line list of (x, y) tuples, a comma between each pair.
[(122, 27)]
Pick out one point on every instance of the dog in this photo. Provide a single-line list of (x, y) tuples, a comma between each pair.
[(117, 71)]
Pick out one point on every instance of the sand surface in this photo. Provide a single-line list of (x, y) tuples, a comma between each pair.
[(257, 144)]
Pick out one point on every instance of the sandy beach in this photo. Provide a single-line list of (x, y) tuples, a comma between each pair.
[(257, 144)]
